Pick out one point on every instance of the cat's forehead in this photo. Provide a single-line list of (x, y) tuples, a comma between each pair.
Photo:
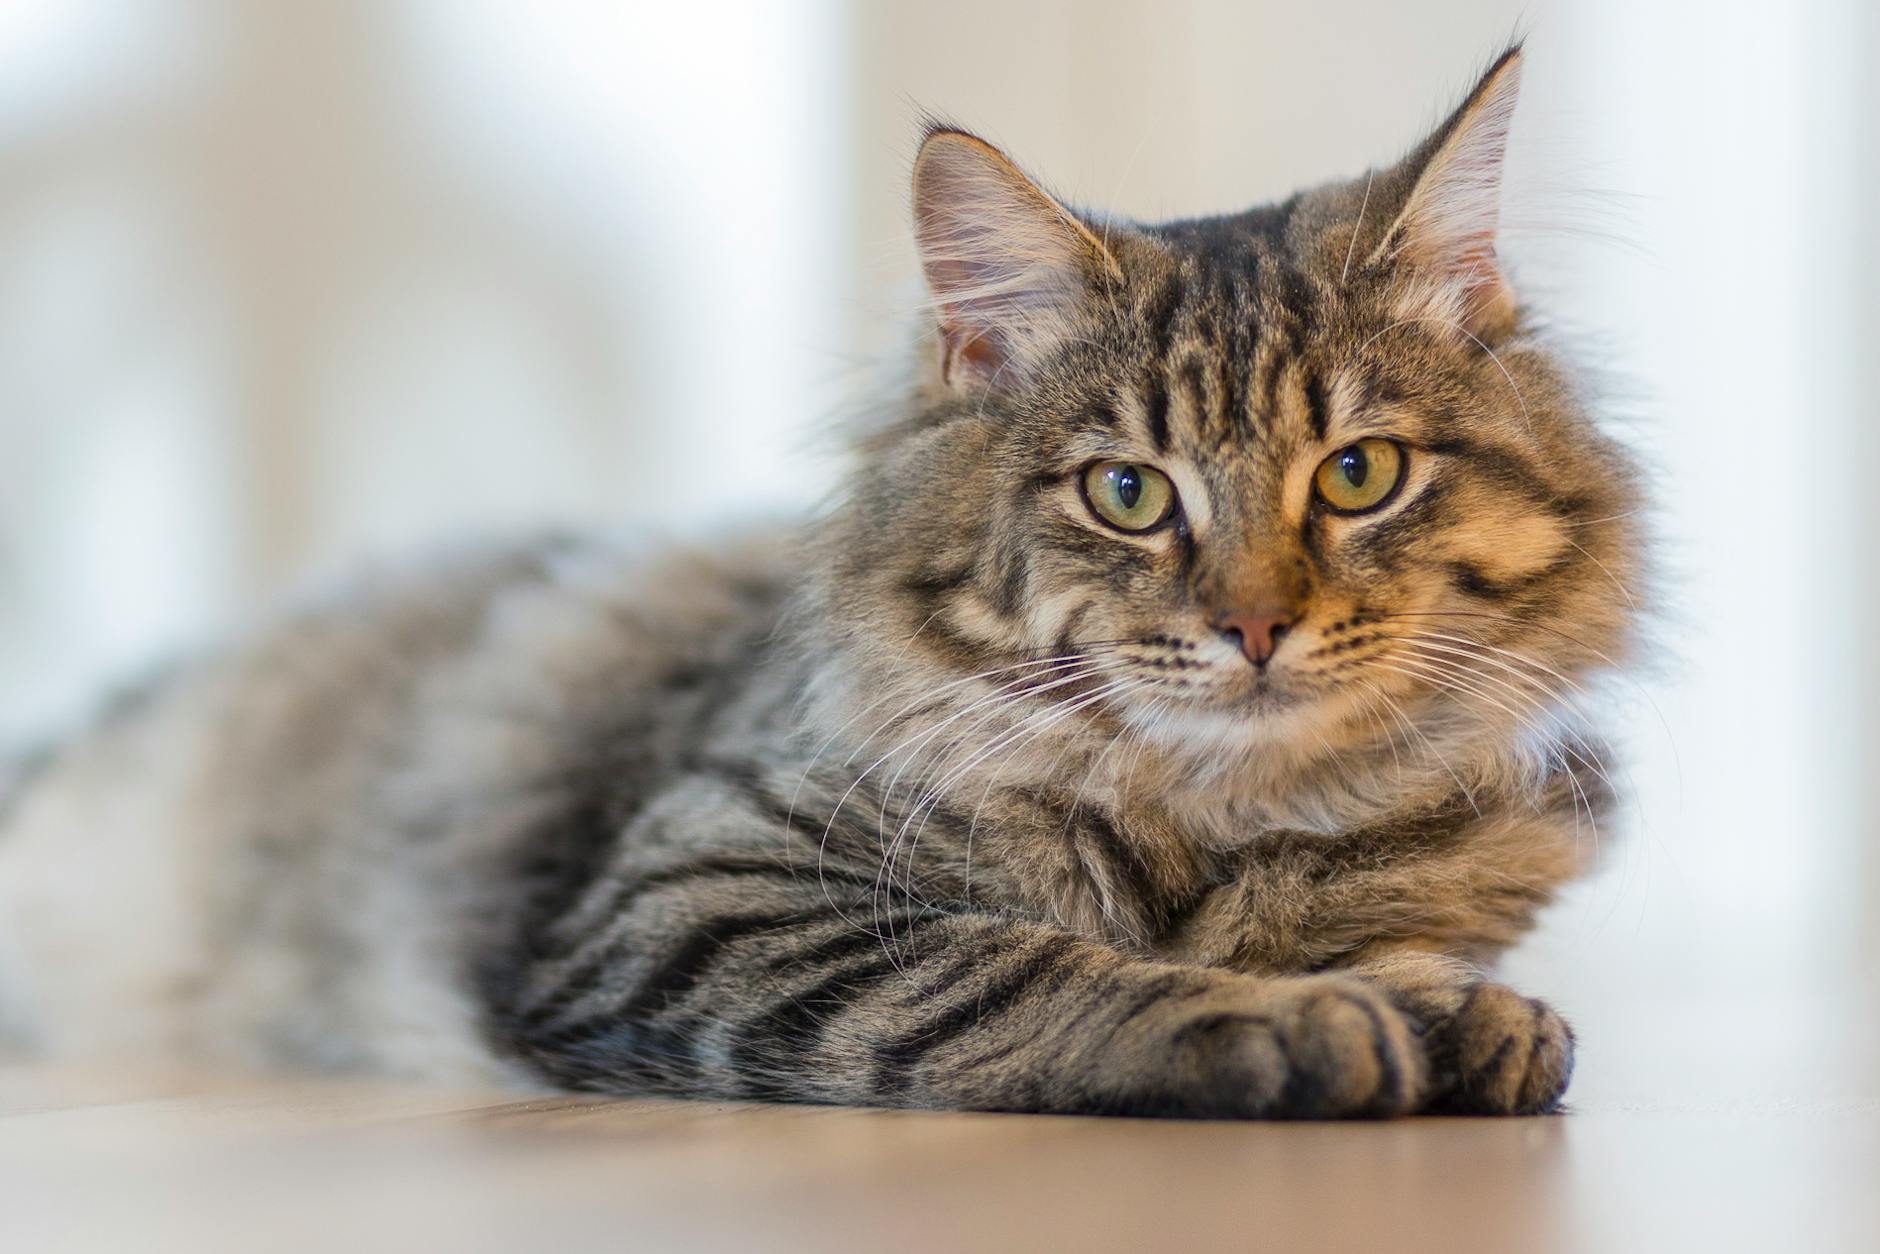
[(1236, 349), (1227, 241), (1247, 286), (1242, 349), (1266, 250)]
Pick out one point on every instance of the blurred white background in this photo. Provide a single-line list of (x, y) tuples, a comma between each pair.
[(283, 286)]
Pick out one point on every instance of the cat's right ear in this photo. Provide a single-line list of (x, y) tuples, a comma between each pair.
[(1447, 228), (1009, 267)]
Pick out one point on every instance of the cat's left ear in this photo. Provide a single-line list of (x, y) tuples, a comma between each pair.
[(1445, 234), (1011, 269)]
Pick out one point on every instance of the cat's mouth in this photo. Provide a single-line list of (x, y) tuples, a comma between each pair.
[(1268, 712), (1267, 691)]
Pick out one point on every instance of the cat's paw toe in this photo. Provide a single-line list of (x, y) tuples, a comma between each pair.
[(1506, 1054), (1347, 1051)]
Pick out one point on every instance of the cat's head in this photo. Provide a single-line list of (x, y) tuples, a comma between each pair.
[(1255, 494)]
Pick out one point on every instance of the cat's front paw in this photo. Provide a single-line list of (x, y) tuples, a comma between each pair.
[(1341, 1048), (1500, 1053)]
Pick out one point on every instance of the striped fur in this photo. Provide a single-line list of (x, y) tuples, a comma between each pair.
[(954, 798)]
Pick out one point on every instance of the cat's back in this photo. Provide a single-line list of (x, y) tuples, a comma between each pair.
[(274, 850)]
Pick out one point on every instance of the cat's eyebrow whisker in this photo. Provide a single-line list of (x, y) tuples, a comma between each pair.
[(1109, 218), (1594, 522), (1357, 228), (1607, 572), (1454, 325)]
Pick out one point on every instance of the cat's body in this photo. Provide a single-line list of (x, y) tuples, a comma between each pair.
[(977, 792), (323, 831)]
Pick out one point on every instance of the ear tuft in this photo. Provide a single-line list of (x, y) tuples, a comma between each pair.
[(1448, 227), (1009, 267)]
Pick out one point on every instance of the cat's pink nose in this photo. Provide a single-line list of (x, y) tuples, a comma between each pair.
[(1255, 635)]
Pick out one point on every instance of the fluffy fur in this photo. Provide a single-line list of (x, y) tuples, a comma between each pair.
[(961, 797)]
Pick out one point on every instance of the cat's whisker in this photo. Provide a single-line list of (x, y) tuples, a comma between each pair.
[(1368, 692), (936, 789), (1607, 572), (1542, 695), (1508, 620), (1612, 665), (1160, 711), (1529, 702), (1332, 759), (1410, 724), (1025, 732), (803, 777), (1455, 325), (1105, 901), (1052, 714), (1594, 522), (1357, 228), (967, 732), (995, 703), (923, 736), (986, 792), (1469, 643), (1456, 670), (961, 738), (1564, 736), (1448, 676), (1029, 665)]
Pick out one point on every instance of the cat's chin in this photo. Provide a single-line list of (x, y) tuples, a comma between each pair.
[(1264, 718)]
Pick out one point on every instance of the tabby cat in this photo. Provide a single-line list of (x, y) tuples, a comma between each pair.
[(1175, 716)]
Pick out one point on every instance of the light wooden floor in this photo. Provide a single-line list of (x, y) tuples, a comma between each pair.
[(1722, 1128)]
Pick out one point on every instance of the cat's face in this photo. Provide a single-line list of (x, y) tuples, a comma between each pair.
[(1289, 484)]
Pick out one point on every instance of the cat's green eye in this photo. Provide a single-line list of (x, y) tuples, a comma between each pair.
[(1360, 476), (1127, 496)]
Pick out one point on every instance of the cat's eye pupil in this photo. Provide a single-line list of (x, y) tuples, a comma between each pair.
[(1128, 486), (1355, 466)]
